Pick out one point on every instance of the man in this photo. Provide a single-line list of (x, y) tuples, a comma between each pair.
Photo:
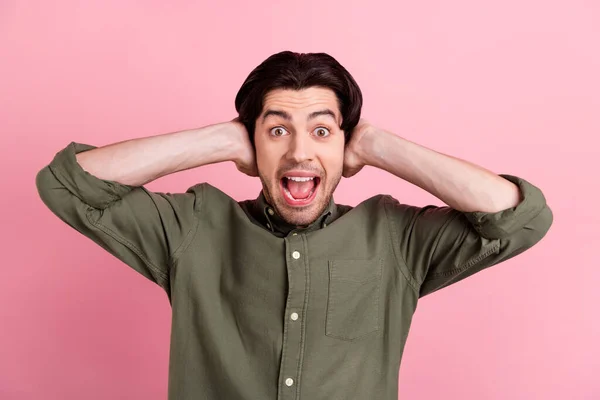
[(291, 296)]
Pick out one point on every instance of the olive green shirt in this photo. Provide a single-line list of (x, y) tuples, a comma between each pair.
[(262, 310)]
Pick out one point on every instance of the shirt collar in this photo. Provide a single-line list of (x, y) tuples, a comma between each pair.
[(268, 217)]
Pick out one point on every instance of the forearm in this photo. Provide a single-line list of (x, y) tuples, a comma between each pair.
[(139, 161), (460, 184)]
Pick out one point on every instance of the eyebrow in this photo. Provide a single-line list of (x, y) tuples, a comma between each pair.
[(288, 117)]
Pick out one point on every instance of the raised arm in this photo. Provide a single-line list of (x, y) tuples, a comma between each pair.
[(99, 191), (489, 218)]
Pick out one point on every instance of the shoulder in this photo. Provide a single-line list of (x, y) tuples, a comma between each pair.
[(378, 202), (371, 207), (207, 194)]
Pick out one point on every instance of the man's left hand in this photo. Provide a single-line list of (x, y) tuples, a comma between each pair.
[(354, 151)]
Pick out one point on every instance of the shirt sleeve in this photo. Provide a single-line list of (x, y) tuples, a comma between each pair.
[(439, 246), (146, 230)]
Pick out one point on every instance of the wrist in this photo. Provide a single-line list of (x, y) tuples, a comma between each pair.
[(207, 145), (237, 142), (371, 147)]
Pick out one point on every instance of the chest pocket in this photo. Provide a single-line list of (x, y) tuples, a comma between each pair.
[(353, 298)]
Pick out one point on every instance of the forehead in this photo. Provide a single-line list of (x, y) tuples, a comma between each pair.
[(301, 102)]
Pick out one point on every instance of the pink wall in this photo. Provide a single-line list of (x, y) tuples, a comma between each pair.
[(512, 85)]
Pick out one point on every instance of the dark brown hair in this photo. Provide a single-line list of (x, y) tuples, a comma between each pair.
[(297, 71)]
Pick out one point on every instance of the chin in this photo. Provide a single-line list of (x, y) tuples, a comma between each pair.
[(301, 215)]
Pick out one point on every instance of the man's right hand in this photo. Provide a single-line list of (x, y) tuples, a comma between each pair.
[(245, 159)]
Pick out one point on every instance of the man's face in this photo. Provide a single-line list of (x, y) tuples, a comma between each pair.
[(299, 151)]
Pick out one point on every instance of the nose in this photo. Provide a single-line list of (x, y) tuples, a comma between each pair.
[(301, 148)]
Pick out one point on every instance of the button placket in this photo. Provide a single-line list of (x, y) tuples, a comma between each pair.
[(293, 339)]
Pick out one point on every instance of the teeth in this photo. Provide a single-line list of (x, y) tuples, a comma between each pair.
[(300, 178)]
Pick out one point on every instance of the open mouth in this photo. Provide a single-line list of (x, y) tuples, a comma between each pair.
[(299, 190)]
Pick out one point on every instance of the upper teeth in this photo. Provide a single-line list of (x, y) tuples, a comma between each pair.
[(301, 178)]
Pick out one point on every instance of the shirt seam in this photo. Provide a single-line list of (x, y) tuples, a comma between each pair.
[(468, 264), (438, 238), (185, 244), (127, 244), (398, 256), (162, 274)]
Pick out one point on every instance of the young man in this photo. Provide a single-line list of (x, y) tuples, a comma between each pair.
[(291, 296)]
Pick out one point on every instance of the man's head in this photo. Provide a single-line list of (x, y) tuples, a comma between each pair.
[(299, 110)]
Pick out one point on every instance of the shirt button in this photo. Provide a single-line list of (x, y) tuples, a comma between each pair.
[(294, 234), (294, 316), (269, 226), (296, 255), (289, 382), (270, 211)]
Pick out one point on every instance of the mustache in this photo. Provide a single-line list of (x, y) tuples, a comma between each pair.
[(301, 167)]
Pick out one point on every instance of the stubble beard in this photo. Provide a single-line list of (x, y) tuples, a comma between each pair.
[(301, 216)]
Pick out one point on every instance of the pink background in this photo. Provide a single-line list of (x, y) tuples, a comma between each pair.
[(513, 86)]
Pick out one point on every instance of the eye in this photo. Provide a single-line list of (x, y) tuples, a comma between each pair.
[(322, 132), (278, 131)]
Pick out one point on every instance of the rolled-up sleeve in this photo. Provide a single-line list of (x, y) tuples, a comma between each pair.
[(440, 246), (146, 230)]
